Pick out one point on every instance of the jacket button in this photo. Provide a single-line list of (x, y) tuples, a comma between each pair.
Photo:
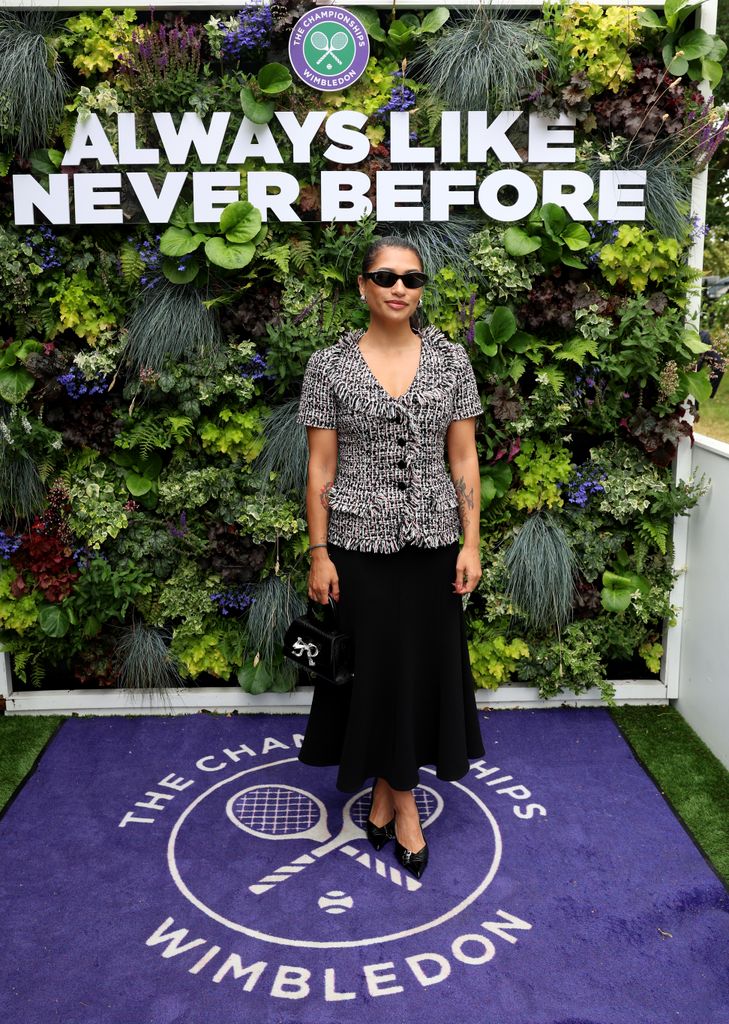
[(402, 464), (402, 440), (401, 484)]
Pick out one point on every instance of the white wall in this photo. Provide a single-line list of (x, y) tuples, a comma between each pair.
[(703, 698)]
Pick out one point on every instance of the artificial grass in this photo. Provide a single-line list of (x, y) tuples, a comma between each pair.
[(22, 740), (691, 778)]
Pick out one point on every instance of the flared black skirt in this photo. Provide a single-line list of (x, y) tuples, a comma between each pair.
[(412, 700)]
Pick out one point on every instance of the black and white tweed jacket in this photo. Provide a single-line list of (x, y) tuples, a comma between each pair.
[(392, 485)]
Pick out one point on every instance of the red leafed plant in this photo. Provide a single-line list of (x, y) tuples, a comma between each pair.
[(46, 551)]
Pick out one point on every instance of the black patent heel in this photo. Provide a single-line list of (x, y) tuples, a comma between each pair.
[(415, 863), (379, 835)]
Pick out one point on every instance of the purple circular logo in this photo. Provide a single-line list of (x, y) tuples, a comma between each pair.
[(329, 48)]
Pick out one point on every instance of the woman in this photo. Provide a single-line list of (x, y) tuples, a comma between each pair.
[(384, 525)]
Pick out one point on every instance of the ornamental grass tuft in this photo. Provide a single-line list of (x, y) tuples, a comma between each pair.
[(22, 492), (484, 59), (541, 569), (276, 603), (32, 82), (285, 452), (143, 660), (171, 322)]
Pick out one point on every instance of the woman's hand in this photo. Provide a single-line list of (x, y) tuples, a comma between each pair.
[(468, 570), (322, 576)]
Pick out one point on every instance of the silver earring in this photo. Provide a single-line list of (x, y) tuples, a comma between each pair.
[(420, 302), (363, 298)]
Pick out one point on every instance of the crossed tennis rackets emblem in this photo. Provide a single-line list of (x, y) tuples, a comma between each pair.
[(338, 42), (278, 811)]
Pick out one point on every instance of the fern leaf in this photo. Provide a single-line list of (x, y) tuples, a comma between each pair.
[(656, 533), (280, 255), (552, 376), (301, 252), (517, 368), (576, 349), (132, 265)]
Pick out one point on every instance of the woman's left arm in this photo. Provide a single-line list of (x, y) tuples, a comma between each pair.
[(463, 462)]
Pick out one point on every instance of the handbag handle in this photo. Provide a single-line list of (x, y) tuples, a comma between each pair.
[(331, 607)]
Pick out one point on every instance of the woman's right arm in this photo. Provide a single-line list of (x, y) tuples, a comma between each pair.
[(322, 469)]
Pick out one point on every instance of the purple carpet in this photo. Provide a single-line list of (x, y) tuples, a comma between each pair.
[(189, 870)]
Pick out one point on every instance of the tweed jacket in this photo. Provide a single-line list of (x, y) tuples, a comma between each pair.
[(391, 486)]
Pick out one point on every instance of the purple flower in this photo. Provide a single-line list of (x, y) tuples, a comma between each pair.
[(233, 601), (252, 33), (9, 544), (77, 385), (183, 528), (45, 249), (586, 482), (255, 368)]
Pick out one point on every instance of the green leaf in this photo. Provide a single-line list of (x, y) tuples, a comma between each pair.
[(46, 161), (399, 34), (521, 341), (259, 113), (484, 340), (676, 11), (274, 78), (712, 71), (169, 269), (718, 50), (576, 349), (676, 65), (518, 243), (15, 383), (554, 219), (692, 340), (181, 216), (5, 161), (435, 19), (371, 21), (254, 680), (53, 620), (137, 485), (151, 467), (502, 324), (488, 491), (650, 19), (550, 251), (698, 383), (576, 236), (240, 221), (573, 261), (617, 591), (179, 241), (227, 255), (696, 43)]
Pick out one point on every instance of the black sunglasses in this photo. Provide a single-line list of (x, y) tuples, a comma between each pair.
[(387, 278)]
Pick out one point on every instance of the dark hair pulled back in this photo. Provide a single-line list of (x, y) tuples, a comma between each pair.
[(394, 242)]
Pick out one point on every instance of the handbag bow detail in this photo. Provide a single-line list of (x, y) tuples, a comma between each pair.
[(301, 647)]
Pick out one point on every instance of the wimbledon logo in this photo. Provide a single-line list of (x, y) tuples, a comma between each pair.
[(329, 48)]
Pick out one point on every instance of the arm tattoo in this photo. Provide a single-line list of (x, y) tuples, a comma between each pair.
[(324, 493), (465, 500)]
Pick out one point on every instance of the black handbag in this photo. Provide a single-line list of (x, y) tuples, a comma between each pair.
[(320, 647)]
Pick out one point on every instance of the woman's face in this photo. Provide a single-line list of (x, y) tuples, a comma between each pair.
[(397, 303)]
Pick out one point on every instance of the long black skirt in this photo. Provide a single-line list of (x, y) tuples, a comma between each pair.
[(411, 702)]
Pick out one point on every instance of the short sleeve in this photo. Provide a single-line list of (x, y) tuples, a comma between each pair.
[(317, 406), (466, 402)]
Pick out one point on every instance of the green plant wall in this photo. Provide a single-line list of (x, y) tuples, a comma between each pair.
[(152, 474)]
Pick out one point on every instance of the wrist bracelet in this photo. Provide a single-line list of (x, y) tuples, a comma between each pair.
[(312, 546)]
